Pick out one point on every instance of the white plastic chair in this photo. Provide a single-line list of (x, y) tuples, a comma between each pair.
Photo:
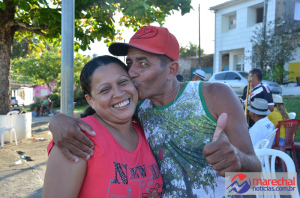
[(10, 123), (261, 144), (292, 115), (268, 165), (271, 138)]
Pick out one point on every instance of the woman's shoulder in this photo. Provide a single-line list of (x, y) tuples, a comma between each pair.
[(101, 138)]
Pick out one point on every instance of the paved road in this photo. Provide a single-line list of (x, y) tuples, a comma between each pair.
[(20, 178)]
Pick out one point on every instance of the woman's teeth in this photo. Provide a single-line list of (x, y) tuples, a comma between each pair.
[(122, 104)]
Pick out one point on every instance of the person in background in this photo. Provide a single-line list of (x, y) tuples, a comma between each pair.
[(262, 127), (198, 75), (279, 114), (180, 78), (45, 102), (258, 90), (121, 148)]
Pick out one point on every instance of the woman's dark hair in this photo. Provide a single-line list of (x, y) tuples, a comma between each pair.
[(87, 73)]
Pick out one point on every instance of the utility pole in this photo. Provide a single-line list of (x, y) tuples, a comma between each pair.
[(199, 64), (67, 56), (262, 60)]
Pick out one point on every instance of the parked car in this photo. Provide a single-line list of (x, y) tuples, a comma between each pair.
[(17, 101), (238, 81)]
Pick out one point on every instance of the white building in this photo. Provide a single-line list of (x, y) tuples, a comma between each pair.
[(235, 21)]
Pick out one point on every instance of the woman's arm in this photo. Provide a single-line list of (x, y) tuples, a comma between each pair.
[(63, 178)]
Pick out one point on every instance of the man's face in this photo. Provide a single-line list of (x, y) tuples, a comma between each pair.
[(254, 81), (146, 72), (251, 114)]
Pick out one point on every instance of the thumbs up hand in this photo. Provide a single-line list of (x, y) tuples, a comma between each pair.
[(220, 152), (221, 124)]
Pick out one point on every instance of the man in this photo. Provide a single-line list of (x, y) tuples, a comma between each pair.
[(259, 90), (179, 120), (198, 75), (258, 111)]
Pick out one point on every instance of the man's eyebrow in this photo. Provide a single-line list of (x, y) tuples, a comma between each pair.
[(138, 58), (141, 58)]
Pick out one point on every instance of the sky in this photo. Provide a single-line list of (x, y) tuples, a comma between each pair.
[(185, 28)]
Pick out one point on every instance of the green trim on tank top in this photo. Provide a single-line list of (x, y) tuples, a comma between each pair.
[(203, 102), (166, 106)]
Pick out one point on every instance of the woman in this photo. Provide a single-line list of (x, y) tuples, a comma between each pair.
[(123, 164), (279, 114)]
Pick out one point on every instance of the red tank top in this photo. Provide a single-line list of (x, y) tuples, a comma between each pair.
[(118, 173)]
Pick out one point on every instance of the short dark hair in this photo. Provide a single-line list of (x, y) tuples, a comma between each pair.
[(164, 60), (258, 73), (180, 78)]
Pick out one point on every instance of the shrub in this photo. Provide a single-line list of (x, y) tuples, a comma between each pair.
[(56, 98), (37, 102), (79, 97)]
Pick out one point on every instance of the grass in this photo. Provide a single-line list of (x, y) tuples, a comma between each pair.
[(293, 105), (78, 109)]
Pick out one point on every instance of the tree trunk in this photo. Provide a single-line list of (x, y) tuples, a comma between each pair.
[(7, 32)]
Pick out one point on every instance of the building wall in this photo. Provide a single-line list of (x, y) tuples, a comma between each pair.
[(188, 65), (229, 41), (42, 90), (185, 66)]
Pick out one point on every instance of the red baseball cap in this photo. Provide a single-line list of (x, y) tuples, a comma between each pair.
[(155, 40)]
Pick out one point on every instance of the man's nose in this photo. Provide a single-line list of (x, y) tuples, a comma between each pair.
[(132, 72)]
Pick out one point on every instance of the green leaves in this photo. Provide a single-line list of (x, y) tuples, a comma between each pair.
[(94, 19), (24, 5), (2, 6)]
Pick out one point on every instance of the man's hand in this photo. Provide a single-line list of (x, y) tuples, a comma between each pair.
[(70, 140), (220, 152)]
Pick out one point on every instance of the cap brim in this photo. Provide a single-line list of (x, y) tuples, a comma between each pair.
[(121, 49)]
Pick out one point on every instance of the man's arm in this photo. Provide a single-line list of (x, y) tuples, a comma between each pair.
[(231, 151), (68, 136)]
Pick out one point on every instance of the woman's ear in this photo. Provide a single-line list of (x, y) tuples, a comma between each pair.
[(89, 100), (173, 69)]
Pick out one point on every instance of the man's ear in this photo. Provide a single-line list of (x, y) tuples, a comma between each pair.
[(89, 100), (173, 68)]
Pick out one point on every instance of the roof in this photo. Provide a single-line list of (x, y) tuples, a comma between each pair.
[(225, 4)]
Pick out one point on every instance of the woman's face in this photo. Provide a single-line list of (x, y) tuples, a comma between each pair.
[(114, 97)]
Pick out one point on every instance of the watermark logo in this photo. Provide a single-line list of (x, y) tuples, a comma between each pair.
[(261, 183), (239, 184)]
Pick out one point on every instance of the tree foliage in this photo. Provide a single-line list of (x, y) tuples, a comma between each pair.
[(94, 20), (44, 68), (191, 50), (39, 68), (275, 49)]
